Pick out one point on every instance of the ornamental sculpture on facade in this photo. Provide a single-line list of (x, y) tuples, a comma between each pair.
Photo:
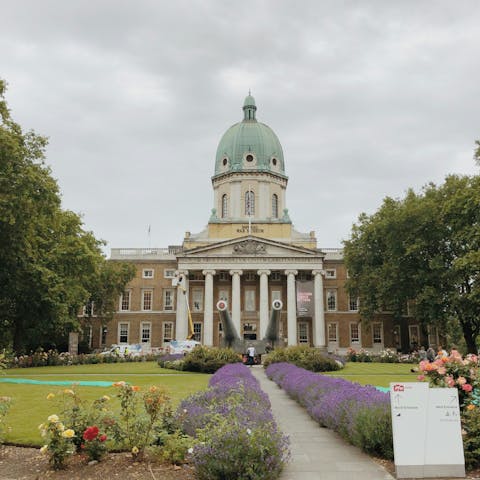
[(250, 247)]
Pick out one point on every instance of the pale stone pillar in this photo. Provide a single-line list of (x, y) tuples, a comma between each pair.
[(236, 299), (263, 301), (291, 307), (181, 324), (208, 308), (319, 319)]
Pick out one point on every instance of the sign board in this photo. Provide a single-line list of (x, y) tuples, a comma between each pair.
[(427, 439), (305, 299)]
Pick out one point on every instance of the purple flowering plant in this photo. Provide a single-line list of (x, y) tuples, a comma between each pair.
[(360, 414), (237, 436)]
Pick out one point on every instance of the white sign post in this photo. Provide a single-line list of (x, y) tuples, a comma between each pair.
[(427, 440)]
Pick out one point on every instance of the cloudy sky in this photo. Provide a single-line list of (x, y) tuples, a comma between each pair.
[(367, 98)]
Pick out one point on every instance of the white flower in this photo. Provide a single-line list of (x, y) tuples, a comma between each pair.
[(249, 432), (53, 418), (190, 450), (44, 449)]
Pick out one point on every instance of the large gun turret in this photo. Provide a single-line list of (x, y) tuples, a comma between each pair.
[(230, 335), (271, 334)]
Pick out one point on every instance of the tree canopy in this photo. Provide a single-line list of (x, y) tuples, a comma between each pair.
[(423, 249), (50, 266)]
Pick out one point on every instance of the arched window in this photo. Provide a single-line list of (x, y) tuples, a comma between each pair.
[(224, 206), (274, 206), (249, 203)]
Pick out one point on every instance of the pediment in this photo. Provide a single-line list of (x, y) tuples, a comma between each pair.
[(250, 246)]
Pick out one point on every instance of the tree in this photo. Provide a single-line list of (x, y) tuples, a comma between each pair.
[(50, 265), (424, 249)]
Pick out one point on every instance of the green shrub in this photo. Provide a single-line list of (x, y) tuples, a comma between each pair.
[(209, 359), (305, 357), (174, 448), (471, 440)]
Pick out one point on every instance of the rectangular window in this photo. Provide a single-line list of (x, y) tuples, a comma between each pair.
[(377, 331), (197, 331), (303, 333), (88, 310), (167, 332), (331, 273), (354, 333), (433, 336), (168, 299), (353, 304), (125, 301), (224, 276), (123, 332), (197, 299), (275, 276), (250, 277), (169, 273), (103, 335), (147, 296), (333, 332), (145, 332), (87, 335), (276, 295), (147, 273), (249, 300), (331, 300), (304, 276), (223, 295), (414, 334)]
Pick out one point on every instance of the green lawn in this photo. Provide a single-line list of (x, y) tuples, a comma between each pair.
[(31, 407), (377, 374)]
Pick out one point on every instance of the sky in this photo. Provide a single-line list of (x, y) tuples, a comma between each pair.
[(367, 98)]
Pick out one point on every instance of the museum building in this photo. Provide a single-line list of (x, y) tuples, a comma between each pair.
[(248, 255)]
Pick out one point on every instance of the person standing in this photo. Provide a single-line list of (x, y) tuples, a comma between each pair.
[(250, 355)]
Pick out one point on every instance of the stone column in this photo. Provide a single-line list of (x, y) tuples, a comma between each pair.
[(181, 324), (263, 301), (236, 299), (291, 307), (208, 308), (319, 319)]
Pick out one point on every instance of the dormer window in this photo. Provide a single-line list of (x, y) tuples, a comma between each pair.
[(274, 162), (225, 162), (274, 205)]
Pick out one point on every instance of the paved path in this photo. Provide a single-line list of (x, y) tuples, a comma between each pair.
[(317, 453)]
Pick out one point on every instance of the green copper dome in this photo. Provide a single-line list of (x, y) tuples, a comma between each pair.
[(249, 146)]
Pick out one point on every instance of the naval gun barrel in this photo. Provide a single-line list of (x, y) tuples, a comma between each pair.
[(230, 333), (271, 335)]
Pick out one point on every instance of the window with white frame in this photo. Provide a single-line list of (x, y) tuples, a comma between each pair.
[(125, 300), (123, 332), (414, 334), (197, 331), (330, 273), (168, 273), (145, 332), (331, 300), (249, 203), (168, 299), (249, 300), (103, 335), (354, 333), (274, 205), (224, 205), (147, 273), (353, 304), (377, 333), (87, 335), (197, 299), (332, 329), (303, 333), (147, 298), (89, 310), (433, 336), (167, 334)]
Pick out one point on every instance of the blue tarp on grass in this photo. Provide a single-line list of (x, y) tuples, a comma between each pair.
[(82, 383)]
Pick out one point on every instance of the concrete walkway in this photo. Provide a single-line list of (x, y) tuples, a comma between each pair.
[(317, 453)]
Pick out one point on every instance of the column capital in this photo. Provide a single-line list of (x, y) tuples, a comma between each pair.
[(181, 272), (291, 272), (318, 272), (238, 272), (263, 272), (208, 272)]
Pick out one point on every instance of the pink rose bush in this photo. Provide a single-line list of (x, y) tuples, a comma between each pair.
[(454, 371)]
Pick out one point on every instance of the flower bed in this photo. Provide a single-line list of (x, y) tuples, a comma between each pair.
[(237, 436), (360, 414)]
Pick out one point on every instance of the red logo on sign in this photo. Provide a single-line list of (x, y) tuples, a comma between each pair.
[(398, 388)]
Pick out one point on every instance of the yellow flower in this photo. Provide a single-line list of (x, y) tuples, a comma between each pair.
[(53, 418), (471, 406), (60, 427), (105, 398), (68, 391), (41, 426), (135, 450), (44, 449), (69, 433), (153, 389), (50, 396)]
